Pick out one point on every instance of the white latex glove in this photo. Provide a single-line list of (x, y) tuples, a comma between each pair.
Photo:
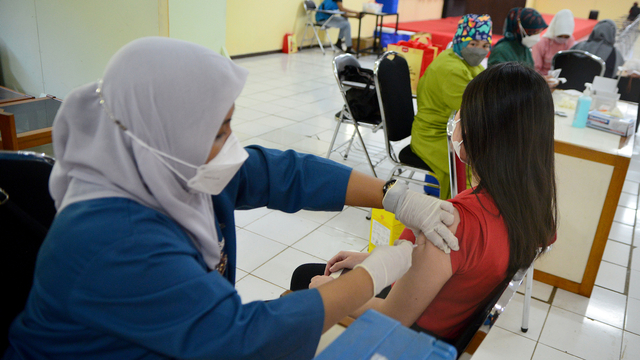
[(386, 264), (423, 213)]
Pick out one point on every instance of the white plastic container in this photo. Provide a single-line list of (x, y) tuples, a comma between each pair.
[(372, 7)]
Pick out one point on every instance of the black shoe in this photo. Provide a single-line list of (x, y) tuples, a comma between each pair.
[(350, 50), (339, 44)]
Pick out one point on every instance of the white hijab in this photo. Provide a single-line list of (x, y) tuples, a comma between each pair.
[(174, 96), (561, 24)]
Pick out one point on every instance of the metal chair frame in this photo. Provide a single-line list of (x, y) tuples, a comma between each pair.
[(582, 53), (310, 7), (399, 166), (489, 316), (344, 116)]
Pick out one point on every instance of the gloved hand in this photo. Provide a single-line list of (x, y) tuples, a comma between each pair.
[(423, 213), (386, 264)]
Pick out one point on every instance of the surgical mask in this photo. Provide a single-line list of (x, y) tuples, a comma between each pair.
[(561, 40), (456, 144), (212, 177), (528, 40), (473, 56)]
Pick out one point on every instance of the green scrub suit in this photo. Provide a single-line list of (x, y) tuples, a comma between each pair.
[(511, 51), (439, 92)]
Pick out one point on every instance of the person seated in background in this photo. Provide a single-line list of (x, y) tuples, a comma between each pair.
[(500, 223), (558, 37), (633, 12), (339, 21), (522, 29), (601, 43), (440, 92)]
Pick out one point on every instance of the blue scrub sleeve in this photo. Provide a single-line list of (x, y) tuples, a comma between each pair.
[(289, 181), (149, 288)]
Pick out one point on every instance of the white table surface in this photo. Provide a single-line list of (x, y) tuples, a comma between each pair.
[(592, 138)]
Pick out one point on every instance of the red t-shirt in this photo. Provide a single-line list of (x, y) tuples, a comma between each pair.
[(478, 267)]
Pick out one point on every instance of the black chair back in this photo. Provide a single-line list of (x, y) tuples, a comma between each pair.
[(26, 213), (309, 5), (394, 84), (578, 67)]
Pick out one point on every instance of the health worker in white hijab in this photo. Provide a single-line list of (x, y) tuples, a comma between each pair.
[(140, 259), (558, 37)]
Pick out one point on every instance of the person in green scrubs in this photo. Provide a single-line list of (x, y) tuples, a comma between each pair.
[(522, 29), (440, 92)]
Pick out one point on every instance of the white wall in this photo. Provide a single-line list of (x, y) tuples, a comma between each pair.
[(199, 21), (53, 46)]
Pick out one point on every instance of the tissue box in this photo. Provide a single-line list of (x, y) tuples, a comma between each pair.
[(385, 229), (610, 123)]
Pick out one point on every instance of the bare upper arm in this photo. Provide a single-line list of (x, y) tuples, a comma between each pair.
[(410, 296)]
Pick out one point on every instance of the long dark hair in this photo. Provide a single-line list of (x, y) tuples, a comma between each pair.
[(507, 128)]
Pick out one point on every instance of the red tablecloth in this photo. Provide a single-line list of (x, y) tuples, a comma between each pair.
[(442, 30)]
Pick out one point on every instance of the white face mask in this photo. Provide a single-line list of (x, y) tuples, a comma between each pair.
[(456, 144), (212, 177), (561, 40), (528, 40)]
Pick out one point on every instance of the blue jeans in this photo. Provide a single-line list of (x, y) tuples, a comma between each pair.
[(344, 26)]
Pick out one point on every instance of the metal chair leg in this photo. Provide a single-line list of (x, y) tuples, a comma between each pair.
[(528, 288), (318, 38), (366, 152), (333, 139)]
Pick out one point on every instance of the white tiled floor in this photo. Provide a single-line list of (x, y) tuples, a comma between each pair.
[(290, 101)]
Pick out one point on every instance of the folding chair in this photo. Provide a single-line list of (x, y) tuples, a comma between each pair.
[(393, 86), (26, 213), (528, 289), (311, 8), (345, 116), (578, 67)]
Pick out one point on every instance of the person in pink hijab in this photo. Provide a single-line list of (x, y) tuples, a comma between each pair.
[(559, 37)]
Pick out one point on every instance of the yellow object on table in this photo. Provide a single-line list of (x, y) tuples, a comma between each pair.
[(385, 229)]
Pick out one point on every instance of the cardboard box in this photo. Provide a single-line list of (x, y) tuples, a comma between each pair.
[(385, 229), (364, 43), (610, 123)]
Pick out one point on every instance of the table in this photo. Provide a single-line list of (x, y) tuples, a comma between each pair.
[(591, 166), (376, 48), (8, 95), (27, 123)]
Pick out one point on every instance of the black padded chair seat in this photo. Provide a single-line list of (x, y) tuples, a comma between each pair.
[(372, 121), (407, 156)]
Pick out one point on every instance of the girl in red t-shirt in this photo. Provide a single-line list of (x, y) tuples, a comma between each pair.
[(504, 132)]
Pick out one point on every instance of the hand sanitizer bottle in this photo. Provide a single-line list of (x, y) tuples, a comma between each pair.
[(582, 109)]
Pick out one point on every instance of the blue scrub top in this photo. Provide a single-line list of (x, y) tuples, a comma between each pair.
[(117, 280), (326, 5)]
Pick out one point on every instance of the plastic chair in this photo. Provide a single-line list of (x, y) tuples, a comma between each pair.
[(26, 213), (393, 86), (578, 67), (345, 116), (311, 8)]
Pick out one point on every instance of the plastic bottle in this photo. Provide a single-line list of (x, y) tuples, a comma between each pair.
[(582, 109)]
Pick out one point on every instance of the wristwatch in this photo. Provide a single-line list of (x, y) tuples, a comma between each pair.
[(388, 185)]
